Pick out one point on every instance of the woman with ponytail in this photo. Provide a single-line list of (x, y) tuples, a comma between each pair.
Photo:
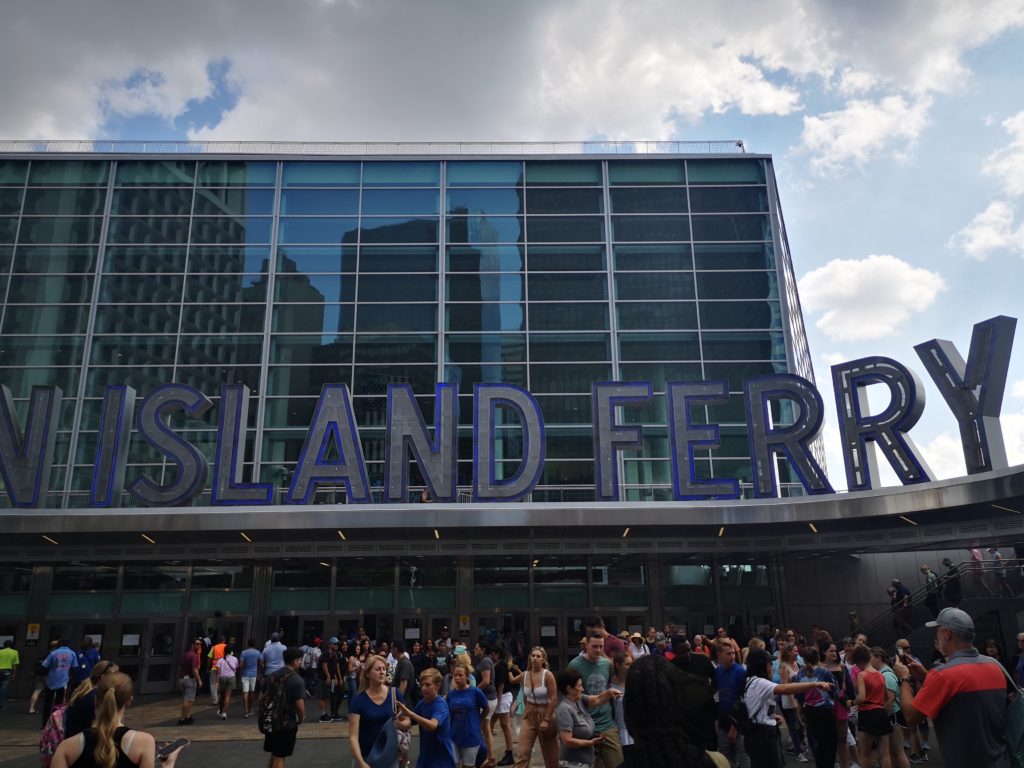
[(81, 709), (110, 744)]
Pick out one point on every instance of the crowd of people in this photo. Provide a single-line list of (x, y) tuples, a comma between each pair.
[(652, 700)]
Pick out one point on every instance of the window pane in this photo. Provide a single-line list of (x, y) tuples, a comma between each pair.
[(226, 288), (314, 288), (305, 380), (321, 174), (119, 289), (8, 229), (85, 576), (68, 173), (740, 314), (13, 172), (398, 230), (726, 171), (649, 200), (138, 318), (210, 378), (735, 372), (211, 230), (10, 201), (565, 258), (566, 409), (556, 347), (41, 351), (744, 346), (161, 201), (389, 202), (146, 230), (729, 199), (641, 228), (484, 317), (578, 377), (235, 202), (656, 315), (731, 228), (645, 172), (220, 575), (397, 318), (653, 257), (68, 319), (50, 258), (391, 174), (659, 346), (313, 318), (397, 288), (313, 350), (659, 373), (485, 348), (471, 174), (564, 201), (50, 289), (570, 317), (221, 318), (739, 256), (21, 380), (64, 202), (146, 173), (319, 258), (486, 287), (562, 229), (230, 258), (396, 349), (661, 285), (131, 259), (221, 173), (320, 202), (737, 285), (485, 230), (132, 350), (561, 287), (374, 380), (311, 230), (568, 173), (60, 230), (396, 258), (486, 258), (485, 201)]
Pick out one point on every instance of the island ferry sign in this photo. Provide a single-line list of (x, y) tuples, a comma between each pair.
[(331, 453)]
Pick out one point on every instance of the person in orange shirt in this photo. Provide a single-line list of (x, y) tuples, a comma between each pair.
[(216, 654)]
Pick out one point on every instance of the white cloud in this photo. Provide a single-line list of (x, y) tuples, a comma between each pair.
[(1007, 164), (990, 231), (944, 455), (834, 358), (853, 82), (1013, 437), (1017, 389), (867, 298), (862, 131)]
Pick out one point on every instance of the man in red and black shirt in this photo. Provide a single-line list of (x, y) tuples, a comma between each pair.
[(966, 697)]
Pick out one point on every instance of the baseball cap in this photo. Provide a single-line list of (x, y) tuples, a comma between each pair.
[(954, 619), (317, 641), (333, 641)]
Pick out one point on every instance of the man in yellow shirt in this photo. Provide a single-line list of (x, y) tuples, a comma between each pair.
[(9, 661)]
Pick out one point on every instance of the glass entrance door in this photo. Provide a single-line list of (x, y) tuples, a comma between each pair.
[(158, 647)]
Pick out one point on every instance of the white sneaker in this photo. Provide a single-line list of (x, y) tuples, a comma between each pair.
[(802, 758), (223, 715)]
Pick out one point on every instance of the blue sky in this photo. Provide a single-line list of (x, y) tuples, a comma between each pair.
[(897, 128)]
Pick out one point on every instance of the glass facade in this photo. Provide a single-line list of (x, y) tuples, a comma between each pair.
[(284, 275)]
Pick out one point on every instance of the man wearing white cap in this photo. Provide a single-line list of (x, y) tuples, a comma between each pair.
[(965, 697)]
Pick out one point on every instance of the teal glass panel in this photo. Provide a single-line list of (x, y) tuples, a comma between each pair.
[(645, 172), (485, 287), (565, 229), (726, 171), (732, 227), (220, 350), (55, 258), (649, 200), (318, 230), (129, 350), (501, 597), (483, 231), (563, 201), (568, 317), (373, 379), (398, 258), (10, 202), (314, 288), (64, 202), (221, 173), (650, 228), (55, 319), (483, 317), (143, 379), (154, 289), (659, 346), (738, 285), (320, 202), (226, 288), (619, 596), (562, 173), (748, 596), (8, 229), (471, 348), (734, 256), (41, 350), (222, 318), (565, 258), (638, 286), (398, 230), (688, 595), (391, 202), (65, 229), (729, 199), (735, 372), (741, 469), (744, 346), (563, 287), (404, 348), (209, 378), (306, 380), (563, 473), (485, 258), (155, 173), (560, 597), (50, 289), (81, 603), (144, 260), (6, 255), (426, 597), (232, 601), (466, 375), (724, 315), (290, 412), (570, 443), (234, 202), (659, 373), (566, 409), (364, 598), (12, 172), (229, 258), (68, 173), (401, 174), (373, 288), (566, 347), (159, 201), (316, 258), (320, 174), (13, 605), (316, 350), (394, 318), (564, 378), (146, 230), (482, 202), (656, 315), (210, 230), (484, 173), (299, 600), (313, 318), (154, 603), (137, 318)]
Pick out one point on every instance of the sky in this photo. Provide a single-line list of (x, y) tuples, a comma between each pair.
[(896, 127)]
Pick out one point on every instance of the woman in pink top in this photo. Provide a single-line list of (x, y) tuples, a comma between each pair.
[(874, 701)]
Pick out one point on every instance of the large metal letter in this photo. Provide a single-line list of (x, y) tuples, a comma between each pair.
[(26, 458), (793, 440), (684, 436), (153, 426), (488, 399), (228, 487), (887, 429), (112, 447), (333, 425), (974, 392), (609, 437), (407, 433)]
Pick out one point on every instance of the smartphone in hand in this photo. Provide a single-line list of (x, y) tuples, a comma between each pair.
[(166, 749)]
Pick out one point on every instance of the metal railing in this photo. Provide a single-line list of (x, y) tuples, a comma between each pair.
[(330, 149)]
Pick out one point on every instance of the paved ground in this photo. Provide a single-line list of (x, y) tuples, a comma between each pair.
[(231, 743)]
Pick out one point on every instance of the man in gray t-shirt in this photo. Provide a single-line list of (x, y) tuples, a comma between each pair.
[(272, 658), (485, 682), (596, 671), (571, 717)]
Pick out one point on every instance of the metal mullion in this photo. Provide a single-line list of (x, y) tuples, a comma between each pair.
[(14, 246), (90, 329), (613, 320), (696, 298), (358, 279), (268, 307), (442, 273)]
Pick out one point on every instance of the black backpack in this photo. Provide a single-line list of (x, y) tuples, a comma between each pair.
[(740, 716), (274, 709)]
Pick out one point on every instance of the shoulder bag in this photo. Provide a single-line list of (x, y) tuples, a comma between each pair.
[(384, 753)]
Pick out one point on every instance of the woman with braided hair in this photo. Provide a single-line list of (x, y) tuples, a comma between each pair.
[(654, 719)]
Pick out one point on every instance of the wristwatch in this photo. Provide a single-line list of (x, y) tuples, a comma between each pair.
[(906, 680)]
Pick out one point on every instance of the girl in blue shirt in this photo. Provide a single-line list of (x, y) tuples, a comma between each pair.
[(466, 705)]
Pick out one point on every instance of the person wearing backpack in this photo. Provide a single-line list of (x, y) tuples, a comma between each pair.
[(58, 665), (282, 709)]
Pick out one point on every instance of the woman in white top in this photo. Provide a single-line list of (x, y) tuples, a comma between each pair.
[(539, 699), (788, 670), (764, 745)]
